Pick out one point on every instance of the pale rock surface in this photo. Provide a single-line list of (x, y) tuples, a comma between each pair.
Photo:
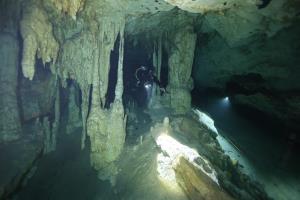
[(36, 31), (196, 184)]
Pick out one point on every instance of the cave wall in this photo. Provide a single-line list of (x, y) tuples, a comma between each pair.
[(10, 117), (10, 124), (253, 57), (275, 59)]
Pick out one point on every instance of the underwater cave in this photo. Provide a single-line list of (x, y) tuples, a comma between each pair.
[(139, 99)]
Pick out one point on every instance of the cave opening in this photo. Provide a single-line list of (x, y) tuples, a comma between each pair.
[(137, 64)]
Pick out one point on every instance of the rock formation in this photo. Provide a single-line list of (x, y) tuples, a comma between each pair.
[(225, 45), (180, 69), (38, 39), (74, 117)]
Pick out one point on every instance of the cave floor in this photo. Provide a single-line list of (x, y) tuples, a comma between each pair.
[(66, 173)]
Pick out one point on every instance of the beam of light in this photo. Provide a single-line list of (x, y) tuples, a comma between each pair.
[(168, 159)]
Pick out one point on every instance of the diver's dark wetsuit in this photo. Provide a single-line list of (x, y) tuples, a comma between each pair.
[(145, 76)]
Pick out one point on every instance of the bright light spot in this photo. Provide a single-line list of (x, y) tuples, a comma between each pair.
[(206, 120), (225, 101), (147, 86), (171, 150)]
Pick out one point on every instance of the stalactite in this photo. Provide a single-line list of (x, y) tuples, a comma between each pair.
[(36, 31), (156, 62), (56, 123), (106, 139), (69, 6), (74, 120), (119, 86), (159, 57), (108, 35), (84, 112), (51, 130)]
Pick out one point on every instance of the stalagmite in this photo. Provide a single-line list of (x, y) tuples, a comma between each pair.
[(180, 68), (36, 31), (106, 139)]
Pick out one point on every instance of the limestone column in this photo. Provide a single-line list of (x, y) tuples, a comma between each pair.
[(180, 69), (106, 127)]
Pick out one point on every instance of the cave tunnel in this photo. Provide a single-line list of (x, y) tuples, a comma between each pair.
[(160, 100), (136, 57)]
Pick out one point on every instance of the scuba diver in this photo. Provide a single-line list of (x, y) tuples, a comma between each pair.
[(145, 77)]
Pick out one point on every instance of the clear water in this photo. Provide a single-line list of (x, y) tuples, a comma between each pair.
[(260, 145)]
